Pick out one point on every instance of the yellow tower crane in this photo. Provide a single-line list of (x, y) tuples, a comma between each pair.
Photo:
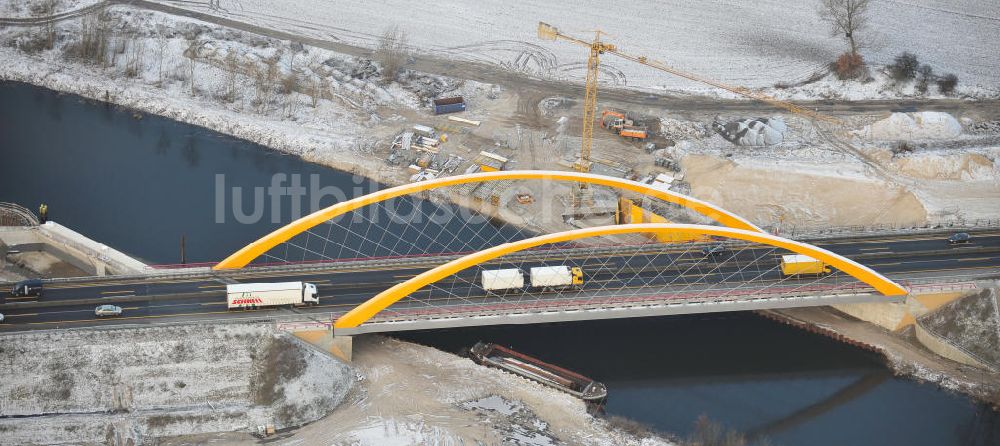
[(597, 48)]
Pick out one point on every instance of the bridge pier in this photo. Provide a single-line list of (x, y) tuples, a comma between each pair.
[(341, 346)]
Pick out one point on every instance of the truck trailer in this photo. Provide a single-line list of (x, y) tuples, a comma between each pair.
[(798, 264), (449, 105), (503, 279), (556, 277), (261, 295)]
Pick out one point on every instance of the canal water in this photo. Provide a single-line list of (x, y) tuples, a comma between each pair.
[(141, 184)]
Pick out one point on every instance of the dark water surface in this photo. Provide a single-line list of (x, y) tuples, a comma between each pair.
[(764, 379), (140, 184)]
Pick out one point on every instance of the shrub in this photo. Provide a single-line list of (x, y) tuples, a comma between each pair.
[(901, 147), (947, 83), (849, 66), (925, 74), (904, 67)]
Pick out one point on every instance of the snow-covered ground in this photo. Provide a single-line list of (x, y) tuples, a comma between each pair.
[(82, 386), (334, 129), (801, 181), (34, 8), (806, 183), (414, 395), (755, 44)]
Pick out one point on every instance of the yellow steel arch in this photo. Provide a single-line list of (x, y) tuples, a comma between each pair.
[(245, 255), (372, 306)]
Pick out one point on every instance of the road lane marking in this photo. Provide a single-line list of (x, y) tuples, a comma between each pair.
[(123, 317), (973, 259), (117, 291), (212, 286), (879, 248), (21, 315)]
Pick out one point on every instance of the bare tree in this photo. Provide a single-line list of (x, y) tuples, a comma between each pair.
[(95, 38), (289, 85), (161, 47), (265, 78), (391, 52), (846, 18), (232, 68), (44, 10), (192, 54), (135, 54)]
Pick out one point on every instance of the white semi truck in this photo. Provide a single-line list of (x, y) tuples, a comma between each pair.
[(502, 279), (541, 277), (259, 295), (556, 277)]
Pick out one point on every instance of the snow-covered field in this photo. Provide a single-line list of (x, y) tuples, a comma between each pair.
[(950, 177), (755, 44), (82, 386), (33, 8), (415, 395)]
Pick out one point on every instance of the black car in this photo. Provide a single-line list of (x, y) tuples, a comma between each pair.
[(30, 287), (718, 250), (959, 238)]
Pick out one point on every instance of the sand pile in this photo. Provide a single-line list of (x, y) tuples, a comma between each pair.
[(909, 126)]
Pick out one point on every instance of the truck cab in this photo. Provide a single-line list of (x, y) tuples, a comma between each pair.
[(577, 273), (309, 294)]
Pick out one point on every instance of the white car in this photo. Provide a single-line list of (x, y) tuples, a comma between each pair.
[(108, 310), (1, 317)]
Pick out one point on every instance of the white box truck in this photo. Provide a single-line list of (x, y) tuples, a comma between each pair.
[(799, 264), (258, 295), (556, 277), (502, 279)]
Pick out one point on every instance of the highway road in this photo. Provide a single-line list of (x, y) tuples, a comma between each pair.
[(71, 304)]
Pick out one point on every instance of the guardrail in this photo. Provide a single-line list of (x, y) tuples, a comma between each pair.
[(415, 261), (12, 214), (731, 295), (882, 229)]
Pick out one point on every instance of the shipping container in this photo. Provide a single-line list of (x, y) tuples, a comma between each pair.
[(449, 105)]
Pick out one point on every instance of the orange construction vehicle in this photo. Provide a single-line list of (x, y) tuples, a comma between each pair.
[(633, 132), (611, 119)]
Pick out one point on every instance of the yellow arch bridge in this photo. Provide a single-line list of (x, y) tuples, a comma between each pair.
[(870, 283)]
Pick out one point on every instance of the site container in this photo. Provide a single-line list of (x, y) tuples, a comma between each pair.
[(449, 105)]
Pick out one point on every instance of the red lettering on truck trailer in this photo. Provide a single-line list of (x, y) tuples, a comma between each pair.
[(247, 301)]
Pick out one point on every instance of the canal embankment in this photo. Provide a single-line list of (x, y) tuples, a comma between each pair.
[(953, 345), (51, 250)]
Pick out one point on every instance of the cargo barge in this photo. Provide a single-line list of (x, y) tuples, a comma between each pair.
[(536, 370)]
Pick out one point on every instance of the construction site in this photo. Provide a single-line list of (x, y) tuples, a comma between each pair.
[(752, 108), (558, 100)]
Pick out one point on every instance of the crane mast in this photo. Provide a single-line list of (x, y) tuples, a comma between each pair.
[(598, 47)]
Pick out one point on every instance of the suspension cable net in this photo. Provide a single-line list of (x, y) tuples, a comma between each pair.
[(428, 225), (646, 272)]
